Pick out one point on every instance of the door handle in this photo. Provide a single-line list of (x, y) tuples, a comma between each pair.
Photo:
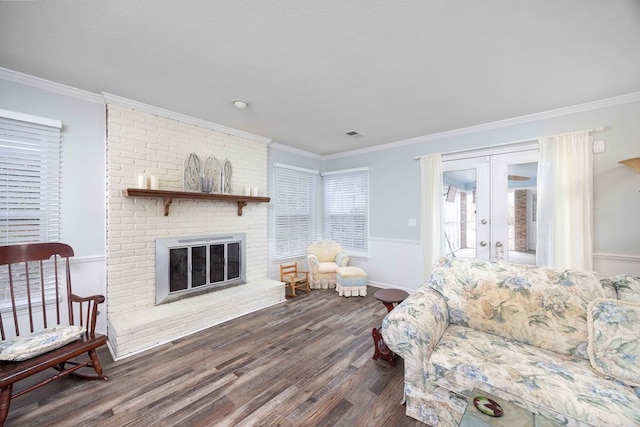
[(483, 243), (499, 251)]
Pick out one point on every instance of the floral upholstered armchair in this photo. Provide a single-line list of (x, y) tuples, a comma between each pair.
[(325, 257)]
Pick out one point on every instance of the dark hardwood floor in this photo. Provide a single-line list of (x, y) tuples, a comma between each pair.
[(306, 362)]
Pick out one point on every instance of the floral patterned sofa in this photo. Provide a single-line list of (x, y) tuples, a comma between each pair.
[(562, 343)]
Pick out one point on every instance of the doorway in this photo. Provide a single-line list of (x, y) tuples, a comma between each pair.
[(490, 203)]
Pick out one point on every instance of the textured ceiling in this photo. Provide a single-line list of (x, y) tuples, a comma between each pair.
[(314, 70)]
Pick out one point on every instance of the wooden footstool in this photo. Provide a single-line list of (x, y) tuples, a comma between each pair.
[(351, 282)]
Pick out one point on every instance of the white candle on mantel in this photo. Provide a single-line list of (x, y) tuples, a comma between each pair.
[(155, 183), (142, 182), (254, 192)]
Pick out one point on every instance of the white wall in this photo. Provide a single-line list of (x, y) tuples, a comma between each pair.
[(83, 157), (395, 186), (83, 171)]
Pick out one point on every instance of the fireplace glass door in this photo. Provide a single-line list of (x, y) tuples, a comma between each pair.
[(185, 266)]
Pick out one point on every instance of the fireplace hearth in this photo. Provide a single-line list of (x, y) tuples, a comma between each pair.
[(193, 265)]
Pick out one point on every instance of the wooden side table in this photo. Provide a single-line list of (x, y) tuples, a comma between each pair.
[(388, 297)]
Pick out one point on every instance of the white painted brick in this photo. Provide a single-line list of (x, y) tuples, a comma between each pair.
[(145, 143)]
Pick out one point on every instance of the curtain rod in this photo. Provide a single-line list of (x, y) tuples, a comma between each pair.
[(593, 130)]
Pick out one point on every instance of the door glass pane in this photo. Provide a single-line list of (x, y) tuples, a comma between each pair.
[(521, 218), (460, 212), (216, 259), (233, 261), (198, 266), (178, 261)]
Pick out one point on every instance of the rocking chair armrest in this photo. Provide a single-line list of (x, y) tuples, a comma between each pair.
[(98, 299), (88, 316)]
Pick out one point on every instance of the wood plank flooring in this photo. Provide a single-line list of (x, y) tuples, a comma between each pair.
[(306, 362)]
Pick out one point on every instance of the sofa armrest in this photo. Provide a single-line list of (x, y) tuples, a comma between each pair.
[(314, 264), (414, 327), (342, 259)]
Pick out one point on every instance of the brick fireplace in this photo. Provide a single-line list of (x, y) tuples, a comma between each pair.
[(139, 142)]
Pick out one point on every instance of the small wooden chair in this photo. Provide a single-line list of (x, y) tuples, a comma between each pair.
[(291, 276)]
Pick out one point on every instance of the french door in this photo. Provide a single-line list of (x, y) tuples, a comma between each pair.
[(490, 203)]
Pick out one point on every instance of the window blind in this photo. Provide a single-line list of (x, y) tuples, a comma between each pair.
[(295, 210), (29, 195), (346, 209), (29, 182)]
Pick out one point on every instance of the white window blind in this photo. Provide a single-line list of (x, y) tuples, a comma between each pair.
[(346, 209), (295, 210), (29, 181)]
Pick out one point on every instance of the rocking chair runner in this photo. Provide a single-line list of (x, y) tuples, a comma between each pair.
[(23, 268), (293, 278)]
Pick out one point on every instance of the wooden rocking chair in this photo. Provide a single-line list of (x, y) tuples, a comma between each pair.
[(293, 278), (25, 272)]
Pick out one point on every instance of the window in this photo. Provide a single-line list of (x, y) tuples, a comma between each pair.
[(295, 210), (29, 188), (346, 209), (29, 179)]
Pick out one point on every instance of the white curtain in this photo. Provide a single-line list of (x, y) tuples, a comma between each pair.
[(431, 203), (565, 201)]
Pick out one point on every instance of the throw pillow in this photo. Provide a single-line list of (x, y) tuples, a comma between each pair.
[(614, 339), (27, 346), (627, 286)]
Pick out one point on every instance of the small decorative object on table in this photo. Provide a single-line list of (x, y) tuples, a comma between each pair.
[(192, 172)]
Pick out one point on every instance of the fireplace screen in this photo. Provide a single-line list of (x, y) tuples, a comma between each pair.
[(193, 265)]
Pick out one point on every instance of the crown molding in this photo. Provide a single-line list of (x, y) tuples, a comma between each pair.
[(59, 88), (298, 151), (558, 112), (140, 106)]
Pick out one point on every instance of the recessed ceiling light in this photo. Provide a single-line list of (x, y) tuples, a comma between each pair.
[(352, 133), (240, 104)]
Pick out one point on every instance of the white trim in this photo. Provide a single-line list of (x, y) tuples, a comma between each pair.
[(14, 115), (86, 259), (558, 112), (633, 258), (141, 106), (511, 147), (298, 151), (295, 168), (37, 82), (383, 285), (343, 171), (399, 241)]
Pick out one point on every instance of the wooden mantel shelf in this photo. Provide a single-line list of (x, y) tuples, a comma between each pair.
[(168, 197)]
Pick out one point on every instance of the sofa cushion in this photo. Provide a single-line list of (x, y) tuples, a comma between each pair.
[(614, 339), (27, 346), (553, 384), (627, 286), (542, 306)]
